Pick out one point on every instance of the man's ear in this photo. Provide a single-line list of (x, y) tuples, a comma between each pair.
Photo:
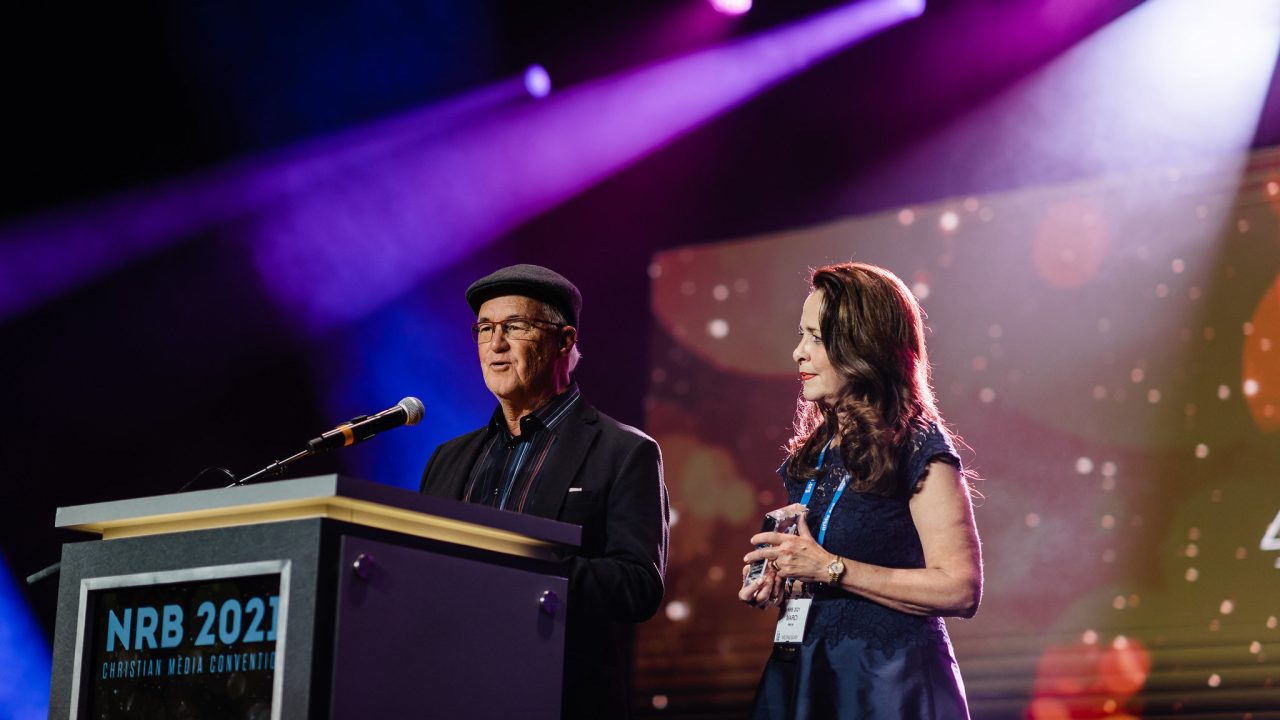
[(568, 338)]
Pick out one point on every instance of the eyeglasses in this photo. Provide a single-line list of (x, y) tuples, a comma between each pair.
[(515, 328)]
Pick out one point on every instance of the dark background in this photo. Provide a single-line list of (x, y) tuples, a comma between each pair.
[(131, 382)]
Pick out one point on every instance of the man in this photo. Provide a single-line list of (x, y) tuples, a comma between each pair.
[(547, 452)]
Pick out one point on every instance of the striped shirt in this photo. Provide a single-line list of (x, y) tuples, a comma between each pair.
[(505, 475)]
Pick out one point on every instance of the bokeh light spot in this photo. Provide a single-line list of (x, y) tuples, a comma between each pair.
[(537, 82), (1070, 243), (1124, 668), (731, 7), (677, 610)]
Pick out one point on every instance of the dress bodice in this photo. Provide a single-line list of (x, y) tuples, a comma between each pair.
[(877, 530)]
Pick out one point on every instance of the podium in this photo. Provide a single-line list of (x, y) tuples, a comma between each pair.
[(321, 597)]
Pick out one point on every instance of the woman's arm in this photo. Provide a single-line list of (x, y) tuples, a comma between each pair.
[(950, 583)]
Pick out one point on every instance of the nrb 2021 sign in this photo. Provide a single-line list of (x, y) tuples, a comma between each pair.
[(162, 649)]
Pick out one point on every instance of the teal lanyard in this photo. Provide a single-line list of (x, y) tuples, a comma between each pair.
[(813, 483)]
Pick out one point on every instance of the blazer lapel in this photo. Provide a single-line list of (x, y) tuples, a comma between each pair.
[(573, 439), (451, 478)]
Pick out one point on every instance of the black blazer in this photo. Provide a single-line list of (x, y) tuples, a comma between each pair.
[(606, 477)]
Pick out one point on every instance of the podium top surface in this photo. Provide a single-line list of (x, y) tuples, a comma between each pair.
[(328, 496)]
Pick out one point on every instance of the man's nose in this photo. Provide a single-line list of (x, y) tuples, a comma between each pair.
[(499, 339)]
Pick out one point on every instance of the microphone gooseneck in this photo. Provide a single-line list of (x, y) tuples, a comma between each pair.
[(406, 412)]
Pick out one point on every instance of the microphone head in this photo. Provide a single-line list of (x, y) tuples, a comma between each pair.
[(413, 410)]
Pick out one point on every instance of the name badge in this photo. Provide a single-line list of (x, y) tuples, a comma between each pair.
[(791, 624)]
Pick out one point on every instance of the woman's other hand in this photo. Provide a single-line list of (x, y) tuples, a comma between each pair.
[(793, 556), (766, 591)]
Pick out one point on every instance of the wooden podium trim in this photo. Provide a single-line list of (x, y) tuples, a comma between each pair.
[(359, 512)]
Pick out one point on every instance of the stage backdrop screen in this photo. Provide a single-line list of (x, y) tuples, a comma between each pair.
[(1110, 352)]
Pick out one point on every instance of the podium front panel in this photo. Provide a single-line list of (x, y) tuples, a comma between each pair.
[(468, 638)]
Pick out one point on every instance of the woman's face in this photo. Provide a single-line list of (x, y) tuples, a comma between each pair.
[(820, 381)]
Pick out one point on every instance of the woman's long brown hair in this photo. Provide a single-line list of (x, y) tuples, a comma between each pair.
[(873, 332)]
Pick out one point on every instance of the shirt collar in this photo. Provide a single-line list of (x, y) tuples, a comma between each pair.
[(548, 416)]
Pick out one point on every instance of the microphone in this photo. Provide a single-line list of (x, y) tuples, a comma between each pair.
[(407, 412)]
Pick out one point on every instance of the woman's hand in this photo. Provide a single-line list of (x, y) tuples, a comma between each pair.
[(793, 556), (768, 590)]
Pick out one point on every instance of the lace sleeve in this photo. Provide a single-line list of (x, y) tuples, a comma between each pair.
[(929, 444)]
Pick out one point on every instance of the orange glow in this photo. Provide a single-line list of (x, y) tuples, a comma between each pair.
[(1088, 680), (1123, 671), (1048, 709), (1066, 670), (1261, 363)]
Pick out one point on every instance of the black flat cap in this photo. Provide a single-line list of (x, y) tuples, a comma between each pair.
[(532, 281)]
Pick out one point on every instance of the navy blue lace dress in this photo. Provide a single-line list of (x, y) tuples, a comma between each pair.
[(860, 659)]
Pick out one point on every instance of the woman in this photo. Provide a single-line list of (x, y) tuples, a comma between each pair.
[(888, 545)]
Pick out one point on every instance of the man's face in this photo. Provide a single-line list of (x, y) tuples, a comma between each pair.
[(521, 372)]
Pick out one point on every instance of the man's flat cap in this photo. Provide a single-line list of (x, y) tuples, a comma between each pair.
[(532, 281)]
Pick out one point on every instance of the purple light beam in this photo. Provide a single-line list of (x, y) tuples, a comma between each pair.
[(341, 250), (44, 256)]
